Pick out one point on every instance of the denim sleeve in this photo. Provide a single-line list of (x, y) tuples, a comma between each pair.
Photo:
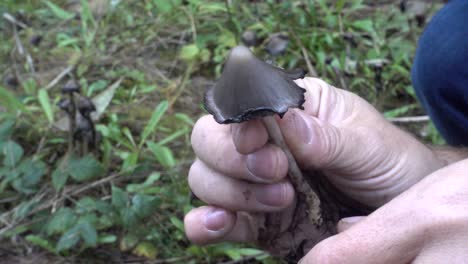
[(440, 71)]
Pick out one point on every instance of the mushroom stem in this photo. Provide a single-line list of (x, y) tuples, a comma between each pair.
[(72, 125), (301, 186)]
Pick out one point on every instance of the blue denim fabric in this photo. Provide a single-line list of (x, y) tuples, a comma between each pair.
[(440, 71)]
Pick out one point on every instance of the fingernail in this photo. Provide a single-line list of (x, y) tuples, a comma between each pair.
[(215, 220), (261, 164), (272, 194)]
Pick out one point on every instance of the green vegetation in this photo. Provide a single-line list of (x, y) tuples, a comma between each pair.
[(146, 65)]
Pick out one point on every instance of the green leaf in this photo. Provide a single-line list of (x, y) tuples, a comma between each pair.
[(59, 12), (69, 239), (12, 153), (9, 101), (6, 129), (23, 209), (364, 24), (128, 217), (60, 175), (158, 112), (31, 172), (44, 100), (146, 249), (177, 223), (165, 6), (189, 52), (107, 239), (40, 242), (143, 205), (155, 176), (88, 234), (85, 168), (119, 198), (61, 221), (163, 155), (128, 242)]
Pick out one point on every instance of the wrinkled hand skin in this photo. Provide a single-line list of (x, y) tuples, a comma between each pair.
[(241, 176), (426, 224)]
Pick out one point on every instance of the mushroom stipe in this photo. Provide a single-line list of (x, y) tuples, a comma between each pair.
[(252, 89)]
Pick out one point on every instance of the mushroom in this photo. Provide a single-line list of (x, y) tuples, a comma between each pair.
[(250, 88), (86, 107), (249, 38), (277, 44), (70, 88)]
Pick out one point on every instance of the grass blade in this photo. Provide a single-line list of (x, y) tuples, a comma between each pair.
[(155, 118)]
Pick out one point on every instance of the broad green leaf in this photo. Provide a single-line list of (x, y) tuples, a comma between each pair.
[(9, 101), (59, 12), (364, 24), (163, 155), (40, 242), (6, 129), (128, 217), (158, 112), (12, 153), (145, 249), (88, 234), (143, 205), (44, 100), (69, 239), (189, 52), (85, 205), (119, 198), (31, 172), (61, 221), (60, 176), (22, 210), (85, 168), (128, 242), (165, 6)]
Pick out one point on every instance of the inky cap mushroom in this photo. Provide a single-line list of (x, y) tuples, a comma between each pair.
[(71, 87), (250, 88), (85, 106)]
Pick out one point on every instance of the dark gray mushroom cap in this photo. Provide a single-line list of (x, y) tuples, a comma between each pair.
[(250, 88), (65, 105), (277, 44), (71, 87), (85, 105)]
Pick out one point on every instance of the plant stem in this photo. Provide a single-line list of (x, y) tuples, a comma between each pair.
[(301, 186)]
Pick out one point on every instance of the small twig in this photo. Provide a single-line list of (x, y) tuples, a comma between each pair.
[(22, 51), (312, 71), (60, 77), (13, 20), (340, 77), (409, 119), (305, 54)]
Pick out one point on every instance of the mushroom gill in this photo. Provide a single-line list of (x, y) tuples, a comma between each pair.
[(249, 88)]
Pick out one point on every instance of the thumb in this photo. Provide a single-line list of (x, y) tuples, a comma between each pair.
[(318, 144)]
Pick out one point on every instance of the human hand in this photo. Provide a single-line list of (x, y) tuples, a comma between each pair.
[(241, 176), (426, 224)]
